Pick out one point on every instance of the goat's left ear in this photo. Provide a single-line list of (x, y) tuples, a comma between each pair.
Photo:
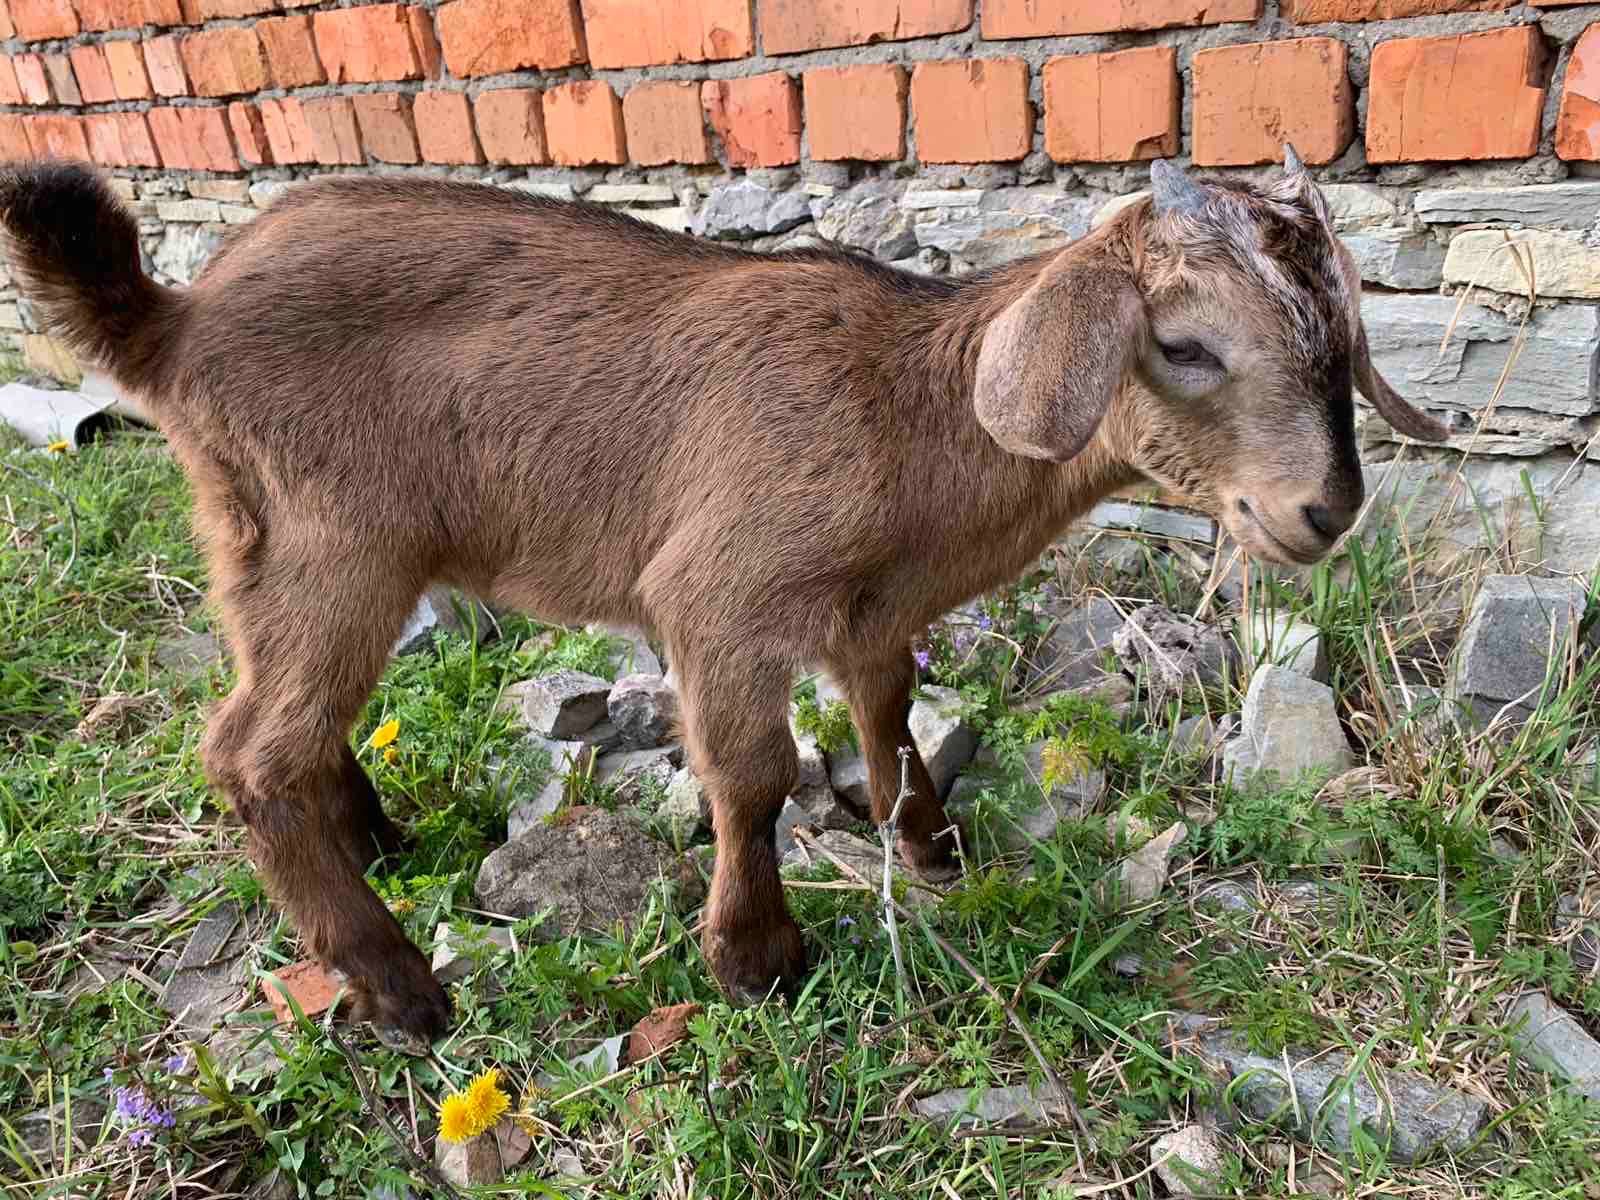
[(1052, 360)]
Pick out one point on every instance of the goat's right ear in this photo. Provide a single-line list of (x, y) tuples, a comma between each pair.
[(1054, 358)]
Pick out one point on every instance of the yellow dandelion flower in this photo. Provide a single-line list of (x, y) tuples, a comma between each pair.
[(384, 734), (455, 1118), (59, 447), (391, 755)]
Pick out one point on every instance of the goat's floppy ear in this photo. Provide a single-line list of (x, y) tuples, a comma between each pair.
[(1402, 417), (1053, 359)]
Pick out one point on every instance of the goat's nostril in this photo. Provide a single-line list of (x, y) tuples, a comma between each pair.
[(1329, 522)]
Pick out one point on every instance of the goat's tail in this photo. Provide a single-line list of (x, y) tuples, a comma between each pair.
[(75, 250)]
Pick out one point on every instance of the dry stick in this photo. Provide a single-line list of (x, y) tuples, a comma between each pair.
[(886, 832), (1012, 1015), (422, 1166)]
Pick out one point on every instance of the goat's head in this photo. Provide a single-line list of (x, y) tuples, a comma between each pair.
[(1220, 325)]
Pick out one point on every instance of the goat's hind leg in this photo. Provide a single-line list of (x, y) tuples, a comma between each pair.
[(278, 747)]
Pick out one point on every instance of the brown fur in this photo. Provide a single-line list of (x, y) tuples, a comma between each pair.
[(771, 462)]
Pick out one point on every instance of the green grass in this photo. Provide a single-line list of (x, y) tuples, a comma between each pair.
[(1428, 890)]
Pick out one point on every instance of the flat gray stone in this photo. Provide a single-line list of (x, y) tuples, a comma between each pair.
[(1290, 725), (962, 1108), (1189, 1161), (1144, 872), (943, 738), (1551, 1040), (1172, 653), (538, 807), (1280, 640), (868, 217), (1584, 924), (686, 810), (1074, 650), (459, 952), (1037, 817), (644, 708), (1153, 519), (44, 1131), (790, 818), (1517, 622), (1410, 1114), (442, 609), (1397, 258), (1568, 205), (564, 705), (747, 210), (212, 977), (813, 791), (847, 772), (184, 250), (635, 774), (1195, 735)]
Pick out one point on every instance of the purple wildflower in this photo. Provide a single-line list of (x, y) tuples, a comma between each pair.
[(985, 622), (176, 1064), (135, 1107), (923, 658), (846, 922)]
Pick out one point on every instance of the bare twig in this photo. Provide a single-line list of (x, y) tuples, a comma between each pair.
[(1015, 1018), (422, 1166), (887, 833)]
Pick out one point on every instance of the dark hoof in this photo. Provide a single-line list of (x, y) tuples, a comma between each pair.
[(397, 989), (933, 858), (751, 965)]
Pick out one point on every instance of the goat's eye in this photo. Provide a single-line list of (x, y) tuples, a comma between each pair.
[(1189, 354)]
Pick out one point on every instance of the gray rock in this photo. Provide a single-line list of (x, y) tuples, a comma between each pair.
[(1320, 1102), (213, 974), (1397, 258), (943, 738), (190, 653), (866, 859), (630, 193), (1426, 709), (1226, 896), (1278, 639), (264, 192), (592, 869), (1583, 924), (1357, 206), (643, 708), (1153, 519), (46, 1131), (686, 810), (1550, 1039), (458, 952), (441, 608), (184, 250), (747, 210), (1553, 373), (1036, 818), (790, 818), (923, 198), (961, 1108), (539, 807), (1518, 622), (1568, 205), (868, 217), (1189, 1161), (188, 210), (1072, 653), (599, 1062), (483, 1159), (564, 705), (1290, 725), (812, 790), (247, 1052), (1195, 735), (1144, 872), (601, 739), (1556, 264), (631, 652), (1172, 652), (1010, 223), (847, 772), (635, 773)]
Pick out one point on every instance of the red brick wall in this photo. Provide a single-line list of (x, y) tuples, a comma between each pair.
[(231, 85)]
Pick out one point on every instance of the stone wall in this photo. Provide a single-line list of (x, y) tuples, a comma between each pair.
[(1459, 142)]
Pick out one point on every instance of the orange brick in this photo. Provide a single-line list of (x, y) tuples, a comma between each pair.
[(125, 61), (386, 126), (583, 124), (511, 125), (7, 32), (1442, 99), (165, 65), (166, 129), (210, 146), (10, 89), (946, 98), (94, 78), (101, 15), (1048, 18), (288, 133), (225, 62), (31, 79), (490, 37), (63, 83), (162, 12), (444, 128), (332, 124), (790, 26), (313, 989), (1250, 100), (57, 137), (370, 44), (137, 145), (105, 139), (1308, 12), (664, 123), (14, 145), (643, 33), (291, 51), (212, 9), (425, 40), (1578, 125), (757, 118), (249, 134), (856, 113), (1120, 107), (42, 20)]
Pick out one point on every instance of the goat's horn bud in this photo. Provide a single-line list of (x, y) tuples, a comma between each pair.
[(1291, 161), (1172, 190)]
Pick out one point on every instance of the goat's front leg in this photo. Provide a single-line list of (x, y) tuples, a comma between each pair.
[(736, 722), (880, 700)]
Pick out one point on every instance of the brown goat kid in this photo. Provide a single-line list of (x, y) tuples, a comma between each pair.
[(770, 461)]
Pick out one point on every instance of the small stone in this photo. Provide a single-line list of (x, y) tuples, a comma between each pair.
[(812, 790), (1072, 654), (457, 952), (686, 810), (266, 191), (1144, 873), (1290, 726), (604, 1059), (659, 1031), (564, 705), (1172, 652), (1195, 735), (1518, 622), (538, 808), (474, 1161), (44, 1131), (1128, 966), (1226, 896), (847, 772), (593, 868), (1584, 945), (1279, 639), (1397, 258), (442, 609), (961, 1108), (748, 210), (635, 775), (791, 817), (868, 217), (601, 739), (643, 708), (630, 193), (631, 652), (1189, 1161), (943, 738), (312, 987), (1551, 1040), (190, 654), (211, 976)]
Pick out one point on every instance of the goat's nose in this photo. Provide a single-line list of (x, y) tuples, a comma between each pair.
[(1327, 521)]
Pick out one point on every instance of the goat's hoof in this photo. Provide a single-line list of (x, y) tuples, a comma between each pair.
[(750, 965), (933, 858), (400, 993)]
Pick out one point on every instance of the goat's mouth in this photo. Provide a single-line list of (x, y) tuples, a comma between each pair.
[(1249, 527)]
